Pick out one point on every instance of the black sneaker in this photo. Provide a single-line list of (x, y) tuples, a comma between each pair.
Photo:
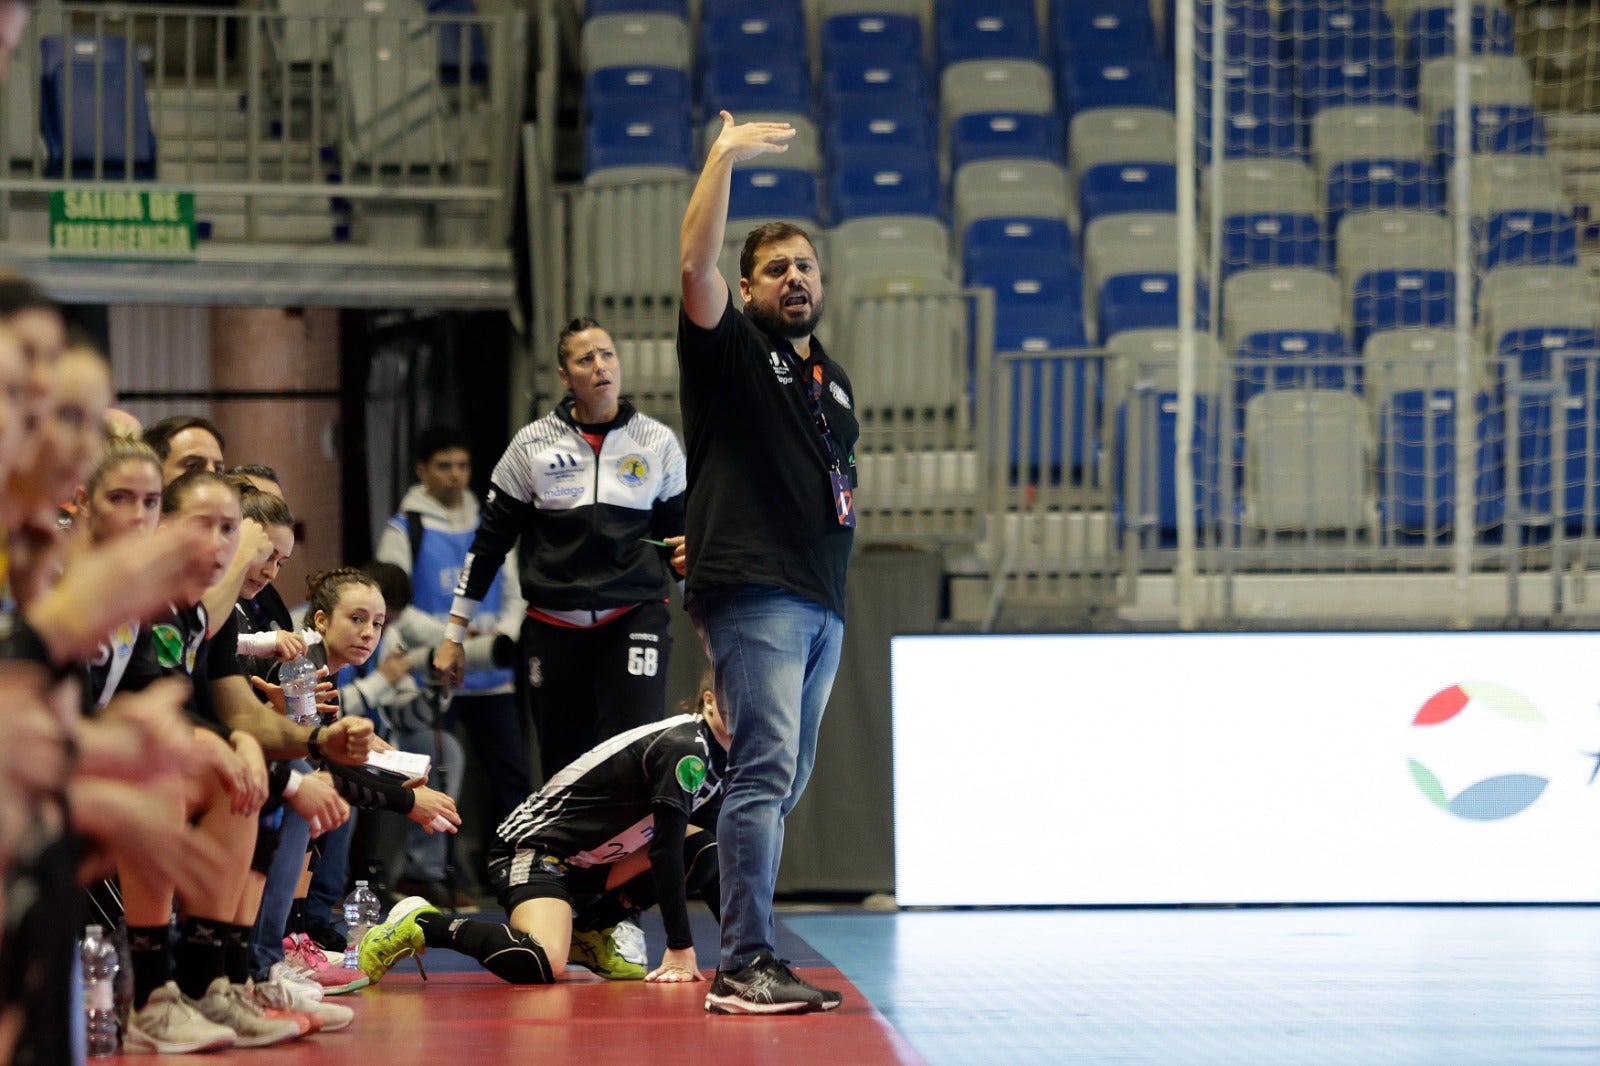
[(764, 986)]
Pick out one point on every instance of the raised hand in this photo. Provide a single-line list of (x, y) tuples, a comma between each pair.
[(750, 139)]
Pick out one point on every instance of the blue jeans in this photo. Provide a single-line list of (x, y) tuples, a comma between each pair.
[(325, 900), (277, 898), (775, 655)]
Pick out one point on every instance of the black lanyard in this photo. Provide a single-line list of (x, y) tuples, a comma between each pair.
[(813, 393)]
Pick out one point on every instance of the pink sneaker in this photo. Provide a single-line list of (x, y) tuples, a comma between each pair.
[(310, 963)]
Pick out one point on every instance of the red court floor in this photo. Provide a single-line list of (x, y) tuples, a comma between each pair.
[(475, 1019)]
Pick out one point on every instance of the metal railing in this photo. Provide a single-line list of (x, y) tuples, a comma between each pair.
[(342, 118)]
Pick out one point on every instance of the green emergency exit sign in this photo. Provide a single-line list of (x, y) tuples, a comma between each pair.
[(122, 224)]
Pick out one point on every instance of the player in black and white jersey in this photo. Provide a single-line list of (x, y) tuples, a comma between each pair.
[(607, 837)]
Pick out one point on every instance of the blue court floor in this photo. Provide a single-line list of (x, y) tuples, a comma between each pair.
[(1444, 985)]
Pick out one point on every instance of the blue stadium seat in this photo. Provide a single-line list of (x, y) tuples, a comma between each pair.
[(1044, 312), (1379, 184), (1111, 29), (899, 184), (1356, 81), (1116, 188), (735, 84), (1576, 408), (458, 39), (995, 29), (1145, 300), (872, 33), (1005, 135), (70, 141), (864, 80), (1535, 352), (1285, 359), (1505, 129), (641, 136), (785, 9), (879, 126), (1325, 34), (1274, 240), (610, 88), (990, 244), (1430, 33), (1087, 82), (1147, 498), (1527, 238), (1394, 298), (736, 36), (773, 192), (594, 8), (1417, 434), (1262, 125)]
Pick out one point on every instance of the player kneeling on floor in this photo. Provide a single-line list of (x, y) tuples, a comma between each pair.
[(606, 838)]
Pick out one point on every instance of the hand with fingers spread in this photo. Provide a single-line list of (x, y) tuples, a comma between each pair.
[(747, 140), (677, 967)]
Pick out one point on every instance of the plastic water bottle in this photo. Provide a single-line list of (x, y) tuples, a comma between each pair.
[(98, 956), (361, 912), (299, 680)]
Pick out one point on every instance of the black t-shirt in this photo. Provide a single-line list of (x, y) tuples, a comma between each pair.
[(176, 643), (761, 508), (600, 808)]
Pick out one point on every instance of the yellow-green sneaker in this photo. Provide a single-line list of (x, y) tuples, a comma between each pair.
[(398, 937), (597, 952)]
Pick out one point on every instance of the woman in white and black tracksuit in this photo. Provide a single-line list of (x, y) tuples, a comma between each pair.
[(588, 493)]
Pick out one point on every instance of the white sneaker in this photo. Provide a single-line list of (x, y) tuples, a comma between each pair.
[(306, 985), (287, 994), (231, 1005), (630, 942), (170, 1024)]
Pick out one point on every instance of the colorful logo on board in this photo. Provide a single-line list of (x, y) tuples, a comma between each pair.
[(1493, 798)]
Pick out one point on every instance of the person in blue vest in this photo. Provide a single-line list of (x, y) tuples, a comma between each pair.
[(429, 539)]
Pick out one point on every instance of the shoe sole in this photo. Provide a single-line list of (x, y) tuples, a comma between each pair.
[(137, 1043), (737, 1005), (343, 990)]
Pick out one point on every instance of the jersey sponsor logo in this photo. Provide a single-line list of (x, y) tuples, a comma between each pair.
[(570, 490), (780, 368), (535, 672), (633, 470), (168, 644), (563, 461), (840, 397), (691, 772), (650, 637)]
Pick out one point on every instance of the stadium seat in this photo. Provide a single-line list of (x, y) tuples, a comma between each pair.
[(1121, 135), (995, 29), (1275, 360), (863, 80), (1257, 300), (596, 8), (1519, 297), (887, 246), (877, 127), (738, 84), (880, 34), (1029, 243), (1536, 352), (1118, 188), (1357, 185), (1529, 238), (643, 40), (1418, 433), (1144, 300), (1089, 82), (1497, 80), (619, 88), (1392, 298), (1285, 185), (773, 192), (733, 36), (896, 185), (1325, 34), (98, 77), (993, 188), (1125, 244), (1148, 358), (638, 138), (1111, 29), (1516, 182), (1272, 239), (1005, 135), (1263, 125), (1145, 453), (994, 85), (1398, 360), (1564, 425), (1366, 132), (1498, 128), (1375, 240), (1307, 462), (1350, 83), (1430, 32)]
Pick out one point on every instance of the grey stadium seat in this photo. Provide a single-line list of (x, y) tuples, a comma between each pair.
[(995, 85), (992, 188), (1256, 301), (1491, 80), (1121, 135), (1308, 461), (1366, 131), (645, 40)]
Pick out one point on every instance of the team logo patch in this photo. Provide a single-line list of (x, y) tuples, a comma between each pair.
[(781, 369), (840, 397), (535, 672), (633, 470), (168, 643), (691, 773)]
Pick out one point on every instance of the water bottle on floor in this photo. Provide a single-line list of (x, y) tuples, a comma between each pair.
[(100, 965), (361, 912)]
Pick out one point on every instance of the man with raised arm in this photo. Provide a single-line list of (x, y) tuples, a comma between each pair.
[(771, 434)]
